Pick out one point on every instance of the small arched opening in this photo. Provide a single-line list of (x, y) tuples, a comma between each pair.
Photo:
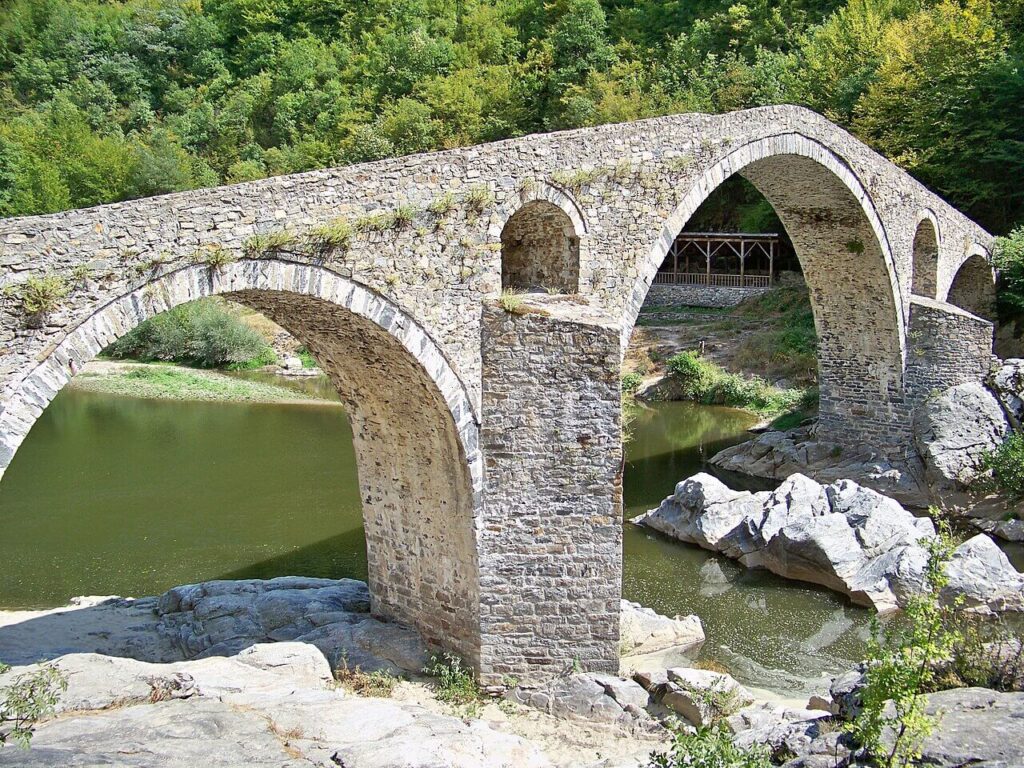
[(540, 250), (926, 259), (973, 288)]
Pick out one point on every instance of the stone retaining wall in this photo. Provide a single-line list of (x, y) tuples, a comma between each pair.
[(699, 295)]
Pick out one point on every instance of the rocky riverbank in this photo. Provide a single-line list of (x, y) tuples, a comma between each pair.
[(255, 673), (842, 536), (231, 673)]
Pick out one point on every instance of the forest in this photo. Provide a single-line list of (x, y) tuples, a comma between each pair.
[(104, 100)]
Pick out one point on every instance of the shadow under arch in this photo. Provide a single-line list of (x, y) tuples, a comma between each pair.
[(543, 243), (925, 254), (415, 432), (859, 309), (973, 287)]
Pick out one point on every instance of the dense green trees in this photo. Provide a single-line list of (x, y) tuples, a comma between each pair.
[(103, 101)]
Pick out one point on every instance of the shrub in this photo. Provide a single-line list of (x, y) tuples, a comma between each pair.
[(443, 205), (200, 333), (379, 683), (213, 256), (631, 382), (455, 683), (1007, 466), (694, 374), (478, 199), (335, 235), (42, 295), (902, 663), (708, 748), (27, 701)]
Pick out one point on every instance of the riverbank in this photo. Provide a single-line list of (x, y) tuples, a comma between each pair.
[(174, 382)]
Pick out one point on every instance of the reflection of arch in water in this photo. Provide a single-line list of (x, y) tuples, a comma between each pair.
[(414, 429)]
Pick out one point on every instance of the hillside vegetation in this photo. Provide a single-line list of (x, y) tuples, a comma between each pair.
[(103, 101)]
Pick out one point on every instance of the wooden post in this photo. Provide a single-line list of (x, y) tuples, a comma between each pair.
[(771, 262), (707, 258), (743, 257)]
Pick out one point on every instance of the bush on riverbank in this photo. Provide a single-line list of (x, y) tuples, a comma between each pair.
[(201, 333), (705, 382), (709, 748), (1007, 466)]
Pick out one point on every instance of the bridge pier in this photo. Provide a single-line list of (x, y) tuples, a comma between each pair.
[(550, 543)]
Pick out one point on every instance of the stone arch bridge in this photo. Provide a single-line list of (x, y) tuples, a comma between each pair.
[(488, 441)]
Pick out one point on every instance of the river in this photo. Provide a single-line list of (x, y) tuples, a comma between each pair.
[(114, 495)]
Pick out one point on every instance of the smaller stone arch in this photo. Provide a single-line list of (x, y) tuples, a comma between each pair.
[(541, 243), (973, 287), (925, 255)]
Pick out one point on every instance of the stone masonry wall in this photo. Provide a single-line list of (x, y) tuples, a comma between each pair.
[(948, 346), (662, 295), (551, 538)]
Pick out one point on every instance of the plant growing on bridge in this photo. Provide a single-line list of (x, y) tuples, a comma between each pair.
[(442, 205), (333, 236), (479, 199), (269, 244), (902, 664), (576, 180), (213, 256), (512, 302), (42, 295), (28, 700)]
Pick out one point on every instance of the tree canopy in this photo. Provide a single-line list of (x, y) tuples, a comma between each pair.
[(107, 100)]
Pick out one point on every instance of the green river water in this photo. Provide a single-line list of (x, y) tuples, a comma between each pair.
[(114, 495)]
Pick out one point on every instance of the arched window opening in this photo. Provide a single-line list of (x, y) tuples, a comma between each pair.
[(540, 250), (926, 259), (973, 288)]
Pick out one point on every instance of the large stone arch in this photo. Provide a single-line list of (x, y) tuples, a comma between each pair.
[(925, 255), (859, 308), (414, 428), (973, 286)]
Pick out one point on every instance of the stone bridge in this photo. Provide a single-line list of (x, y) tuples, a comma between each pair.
[(488, 441)]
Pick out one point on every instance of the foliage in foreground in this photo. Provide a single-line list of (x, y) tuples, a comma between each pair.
[(1006, 464), (703, 381), (455, 682), (200, 333), (28, 700), (902, 666), (708, 748)]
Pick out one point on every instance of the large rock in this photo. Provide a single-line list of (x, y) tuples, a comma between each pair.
[(594, 697), (777, 455), (220, 618), (842, 536), (701, 696), (272, 706), (954, 431), (981, 576), (642, 630), (1008, 385)]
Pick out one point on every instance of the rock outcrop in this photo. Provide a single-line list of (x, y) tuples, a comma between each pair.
[(777, 455), (954, 431), (1007, 382), (842, 536), (220, 618), (643, 630), (272, 705), (593, 697)]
